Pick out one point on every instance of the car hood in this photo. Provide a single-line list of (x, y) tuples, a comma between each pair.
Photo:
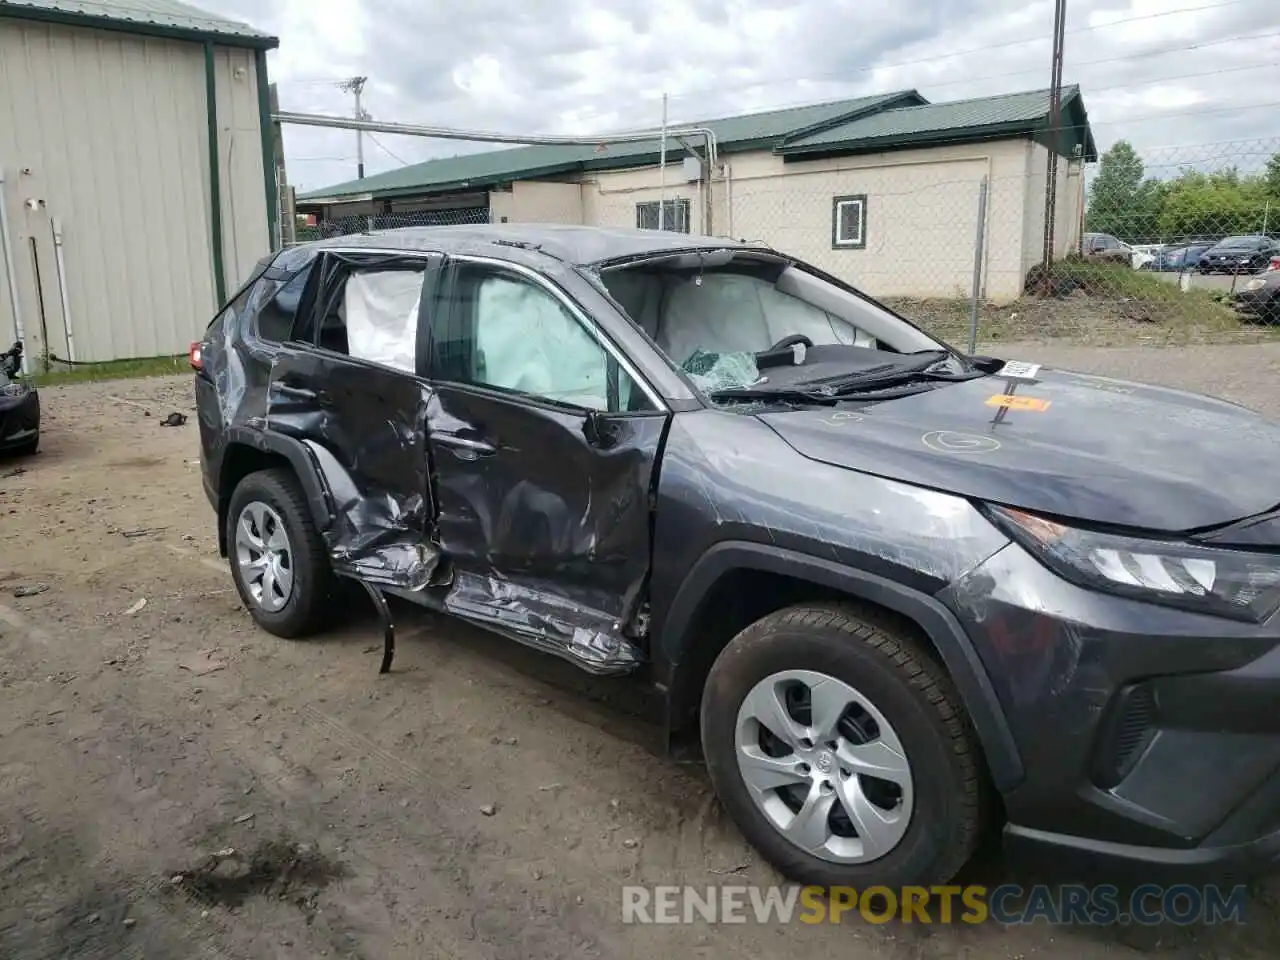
[(1069, 444)]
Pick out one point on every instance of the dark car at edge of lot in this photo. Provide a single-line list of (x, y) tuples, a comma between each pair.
[(19, 406), (1259, 298), (894, 593), (1177, 258), (1245, 254)]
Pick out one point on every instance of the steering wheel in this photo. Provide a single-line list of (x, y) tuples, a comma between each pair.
[(790, 341)]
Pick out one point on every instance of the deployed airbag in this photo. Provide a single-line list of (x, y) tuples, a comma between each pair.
[(381, 312)]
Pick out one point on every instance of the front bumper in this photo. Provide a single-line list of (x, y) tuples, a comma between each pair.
[(19, 420), (1150, 736)]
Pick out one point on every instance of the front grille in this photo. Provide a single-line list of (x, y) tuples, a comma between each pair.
[(1125, 734)]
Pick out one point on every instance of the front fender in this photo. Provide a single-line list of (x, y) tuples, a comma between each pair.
[(939, 625)]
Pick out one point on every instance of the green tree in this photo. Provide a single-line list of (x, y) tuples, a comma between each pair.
[(1272, 176), (1213, 205), (1114, 195)]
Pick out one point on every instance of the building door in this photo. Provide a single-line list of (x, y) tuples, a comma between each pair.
[(33, 251)]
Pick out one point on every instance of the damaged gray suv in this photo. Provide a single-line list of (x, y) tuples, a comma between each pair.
[(898, 595)]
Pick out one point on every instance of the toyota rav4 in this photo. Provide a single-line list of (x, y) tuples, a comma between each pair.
[(896, 593)]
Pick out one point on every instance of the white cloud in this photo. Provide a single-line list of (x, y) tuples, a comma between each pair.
[(1162, 73)]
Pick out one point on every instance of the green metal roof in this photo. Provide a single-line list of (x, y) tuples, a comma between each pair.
[(865, 124), (957, 121), (754, 131), (165, 18)]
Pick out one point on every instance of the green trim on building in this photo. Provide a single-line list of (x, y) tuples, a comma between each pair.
[(977, 120), (269, 172), (215, 175)]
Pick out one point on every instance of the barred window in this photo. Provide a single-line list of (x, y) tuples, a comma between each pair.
[(849, 222), (675, 215)]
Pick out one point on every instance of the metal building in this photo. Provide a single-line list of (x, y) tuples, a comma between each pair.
[(136, 184)]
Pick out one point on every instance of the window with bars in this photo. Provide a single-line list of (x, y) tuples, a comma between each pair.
[(849, 222), (675, 215)]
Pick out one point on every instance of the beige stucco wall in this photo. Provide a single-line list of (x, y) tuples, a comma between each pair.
[(1066, 219), (533, 201), (107, 133), (922, 211)]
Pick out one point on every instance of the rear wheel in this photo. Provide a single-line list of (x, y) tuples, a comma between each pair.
[(278, 560), (841, 751)]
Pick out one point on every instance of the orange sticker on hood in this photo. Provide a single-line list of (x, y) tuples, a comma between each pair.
[(1037, 404)]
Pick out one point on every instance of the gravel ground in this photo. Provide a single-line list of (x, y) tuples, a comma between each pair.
[(479, 802)]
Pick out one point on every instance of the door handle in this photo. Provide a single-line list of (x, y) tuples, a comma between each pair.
[(319, 397), (465, 449), (298, 393)]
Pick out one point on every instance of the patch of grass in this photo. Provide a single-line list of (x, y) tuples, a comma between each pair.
[(115, 370), (1116, 281), (1092, 303)]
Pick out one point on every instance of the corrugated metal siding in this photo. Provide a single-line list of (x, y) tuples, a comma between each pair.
[(113, 130)]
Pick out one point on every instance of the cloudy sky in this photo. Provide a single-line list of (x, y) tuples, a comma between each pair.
[(1187, 81)]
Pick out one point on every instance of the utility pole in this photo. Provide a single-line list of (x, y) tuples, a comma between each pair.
[(356, 86), (1055, 131), (662, 170)]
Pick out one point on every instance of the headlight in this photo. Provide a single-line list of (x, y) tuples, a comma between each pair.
[(13, 389), (1229, 583), (1257, 283)]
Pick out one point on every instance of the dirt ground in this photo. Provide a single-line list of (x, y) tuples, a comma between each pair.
[(478, 802)]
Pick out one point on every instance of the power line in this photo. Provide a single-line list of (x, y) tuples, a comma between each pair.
[(1164, 51), (1154, 81), (387, 150), (871, 68)]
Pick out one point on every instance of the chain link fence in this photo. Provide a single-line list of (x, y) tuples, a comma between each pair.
[(1148, 248)]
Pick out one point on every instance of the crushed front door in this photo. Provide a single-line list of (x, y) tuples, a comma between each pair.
[(544, 451)]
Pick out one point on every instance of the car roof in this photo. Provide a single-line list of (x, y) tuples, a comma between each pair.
[(581, 246)]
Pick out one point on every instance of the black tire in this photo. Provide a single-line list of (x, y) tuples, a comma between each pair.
[(913, 693), (315, 587)]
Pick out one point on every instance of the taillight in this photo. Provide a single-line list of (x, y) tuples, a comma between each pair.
[(1275, 264), (196, 357)]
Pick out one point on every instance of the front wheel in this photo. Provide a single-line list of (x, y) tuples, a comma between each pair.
[(840, 749), (278, 560)]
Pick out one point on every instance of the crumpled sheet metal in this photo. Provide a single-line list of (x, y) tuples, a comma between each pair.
[(376, 423), (374, 538), (546, 622), (553, 551)]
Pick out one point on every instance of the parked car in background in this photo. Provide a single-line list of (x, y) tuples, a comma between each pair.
[(19, 406), (1177, 258), (897, 593), (1245, 254), (1106, 248), (1259, 298), (1143, 254)]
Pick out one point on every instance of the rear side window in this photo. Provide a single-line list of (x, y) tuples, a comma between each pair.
[(276, 318)]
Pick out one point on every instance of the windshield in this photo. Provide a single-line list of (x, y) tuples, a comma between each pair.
[(730, 325), (1241, 243)]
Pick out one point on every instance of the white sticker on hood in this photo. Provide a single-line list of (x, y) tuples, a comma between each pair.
[(1019, 370)]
